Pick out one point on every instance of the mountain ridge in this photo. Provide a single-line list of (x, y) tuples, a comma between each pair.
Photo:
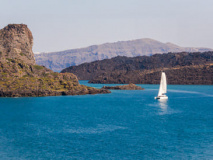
[(132, 48)]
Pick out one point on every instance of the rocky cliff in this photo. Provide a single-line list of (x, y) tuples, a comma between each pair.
[(180, 68), (60, 60), (20, 76), (16, 42)]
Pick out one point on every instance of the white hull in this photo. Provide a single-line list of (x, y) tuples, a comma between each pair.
[(161, 97)]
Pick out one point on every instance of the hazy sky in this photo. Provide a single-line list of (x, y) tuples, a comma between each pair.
[(65, 24)]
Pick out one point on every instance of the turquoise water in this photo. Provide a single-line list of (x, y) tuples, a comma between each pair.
[(120, 125)]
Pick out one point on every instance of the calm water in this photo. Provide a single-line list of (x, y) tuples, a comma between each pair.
[(120, 125)]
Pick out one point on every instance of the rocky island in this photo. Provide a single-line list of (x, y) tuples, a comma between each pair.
[(124, 87), (180, 68), (20, 76)]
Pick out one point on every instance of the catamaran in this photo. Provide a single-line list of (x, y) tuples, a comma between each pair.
[(163, 87)]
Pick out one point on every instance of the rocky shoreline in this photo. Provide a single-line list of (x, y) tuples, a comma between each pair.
[(42, 93)]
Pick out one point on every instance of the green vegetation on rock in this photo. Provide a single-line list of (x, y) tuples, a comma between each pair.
[(38, 67), (22, 54)]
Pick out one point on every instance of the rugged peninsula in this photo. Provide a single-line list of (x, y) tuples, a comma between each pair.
[(180, 68), (130, 86), (20, 76)]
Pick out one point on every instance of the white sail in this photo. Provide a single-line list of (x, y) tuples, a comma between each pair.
[(163, 85)]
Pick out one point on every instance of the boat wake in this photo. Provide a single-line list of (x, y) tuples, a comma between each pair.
[(182, 91), (190, 92)]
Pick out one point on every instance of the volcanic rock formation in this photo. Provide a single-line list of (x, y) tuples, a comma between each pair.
[(20, 76), (16, 41)]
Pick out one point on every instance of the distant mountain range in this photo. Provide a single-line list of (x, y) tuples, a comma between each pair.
[(63, 59), (180, 68)]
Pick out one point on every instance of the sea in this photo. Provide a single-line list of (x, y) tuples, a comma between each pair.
[(121, 125)]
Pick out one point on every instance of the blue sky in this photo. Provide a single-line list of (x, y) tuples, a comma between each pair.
[(65, 24)]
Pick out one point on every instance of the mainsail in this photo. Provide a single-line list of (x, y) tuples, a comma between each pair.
[(163, 84)]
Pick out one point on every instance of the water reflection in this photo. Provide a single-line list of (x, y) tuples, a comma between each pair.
[(163, 106)]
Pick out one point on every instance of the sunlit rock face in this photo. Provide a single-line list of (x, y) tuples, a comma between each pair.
[(16, 42)]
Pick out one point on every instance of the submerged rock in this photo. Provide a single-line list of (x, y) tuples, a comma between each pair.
[(124, 87)]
